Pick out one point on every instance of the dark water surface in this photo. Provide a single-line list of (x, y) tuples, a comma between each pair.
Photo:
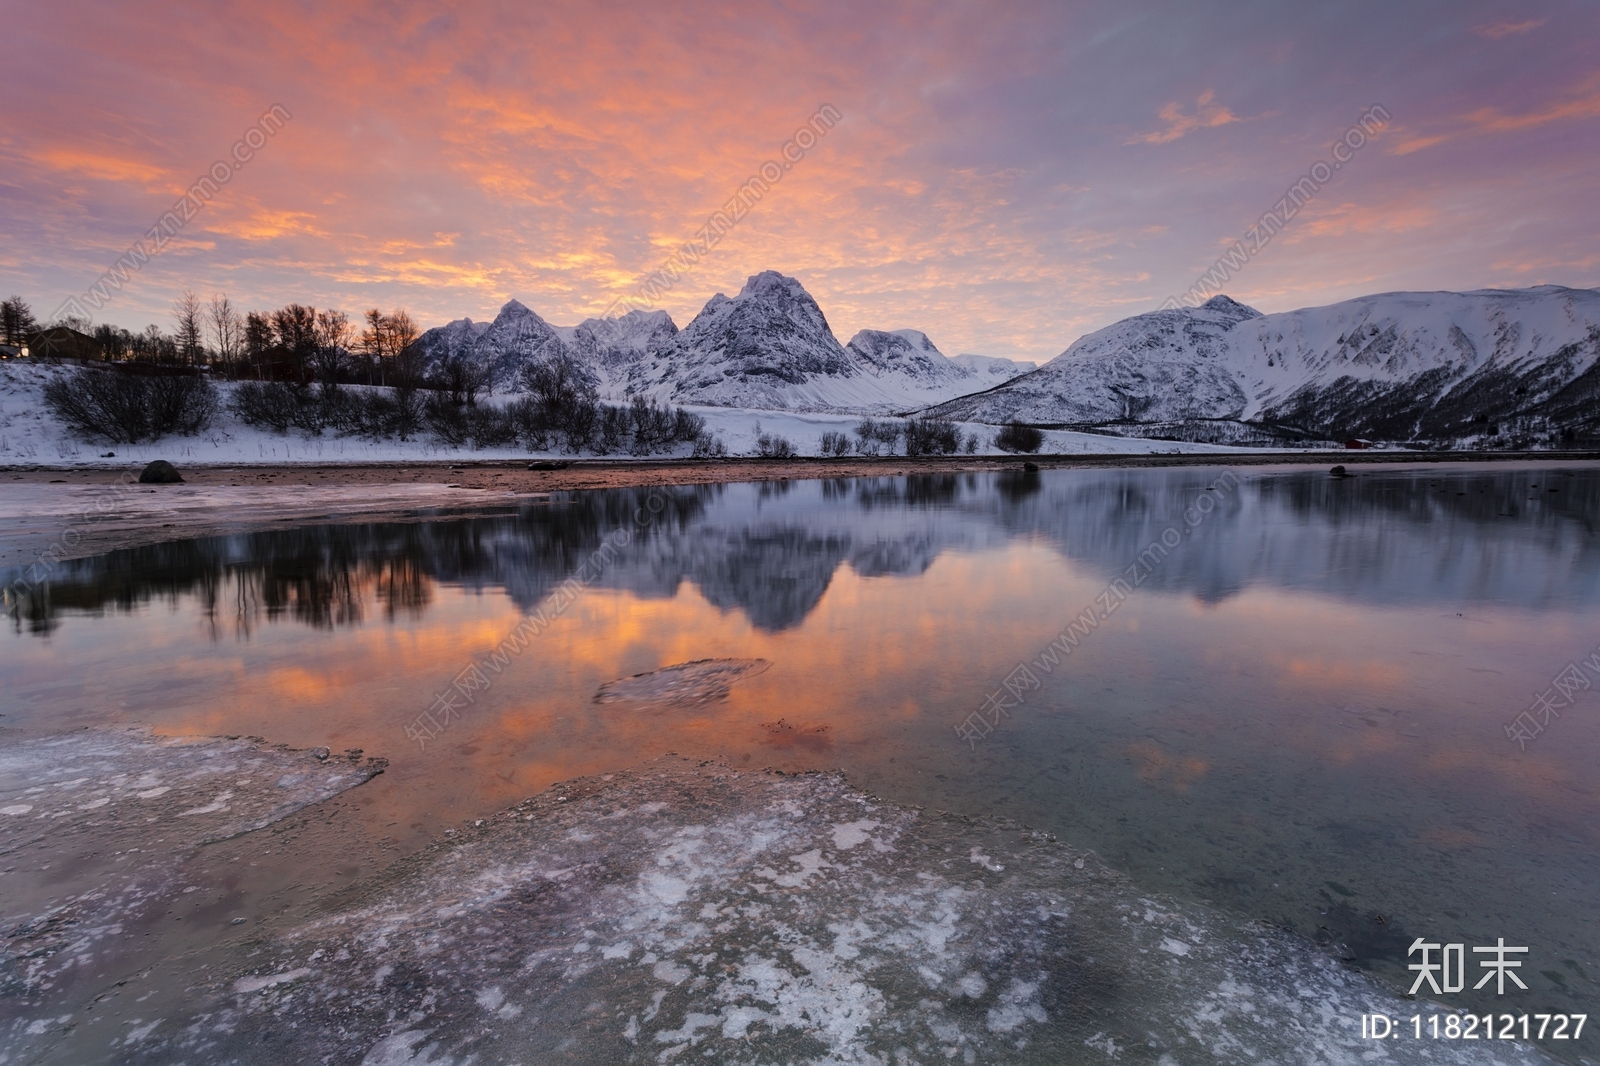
[(1297, 711)]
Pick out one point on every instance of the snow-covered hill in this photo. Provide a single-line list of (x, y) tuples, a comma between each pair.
[(1396, 366)]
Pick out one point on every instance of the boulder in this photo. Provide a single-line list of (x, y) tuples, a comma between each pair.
[(160, 472)]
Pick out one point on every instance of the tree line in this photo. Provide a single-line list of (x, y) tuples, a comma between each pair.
[(295, 343), (291, 364)]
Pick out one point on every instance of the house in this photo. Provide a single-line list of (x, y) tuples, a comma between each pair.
[(1356, 443), (63, 342)]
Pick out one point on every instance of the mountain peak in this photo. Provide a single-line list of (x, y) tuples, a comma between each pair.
[(514, 306), (770, 282), (1226, 305)]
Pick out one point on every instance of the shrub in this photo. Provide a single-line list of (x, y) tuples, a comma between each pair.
[(529, 423), (127, 408), (707, 446), (972, 444), (875, 435), (277, 406), (932, 436), (1016, 437), (490, 427), (445, 419), (835, 444), (774, 447), (652, 425), (687, 426), (613, 428), (458, 423), (378, 415)]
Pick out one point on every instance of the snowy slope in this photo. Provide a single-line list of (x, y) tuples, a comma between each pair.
[(907, 361), (1160, 366), (31, 436), (614, 346), (1392, 366)]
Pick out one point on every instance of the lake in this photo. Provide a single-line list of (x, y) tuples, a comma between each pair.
[(1355, 711)]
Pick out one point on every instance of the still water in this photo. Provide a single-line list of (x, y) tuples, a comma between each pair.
[(1293, 696)]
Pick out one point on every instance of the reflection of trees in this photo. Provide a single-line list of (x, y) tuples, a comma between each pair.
[(334, 575)]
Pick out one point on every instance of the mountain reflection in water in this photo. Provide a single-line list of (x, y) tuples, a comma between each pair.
[(1523, 537)]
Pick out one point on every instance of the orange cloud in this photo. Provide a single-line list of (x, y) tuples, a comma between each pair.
[(1206, 115), (1416, 143), (106, 167), (1585, 103)]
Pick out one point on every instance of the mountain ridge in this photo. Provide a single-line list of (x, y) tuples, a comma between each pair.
[(1392, 366)]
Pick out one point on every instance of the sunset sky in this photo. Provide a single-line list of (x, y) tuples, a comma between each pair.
[(1005, 177)]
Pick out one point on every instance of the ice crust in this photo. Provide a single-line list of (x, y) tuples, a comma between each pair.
[(121, 809), (688, 912), (701, 681)]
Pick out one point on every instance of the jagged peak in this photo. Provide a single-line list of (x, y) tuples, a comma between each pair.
[(770, 282)]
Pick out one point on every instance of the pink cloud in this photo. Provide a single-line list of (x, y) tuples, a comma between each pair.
[(1206, 115), (1496, 30)]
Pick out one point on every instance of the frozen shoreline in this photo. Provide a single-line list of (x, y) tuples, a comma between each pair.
[(684, 911)]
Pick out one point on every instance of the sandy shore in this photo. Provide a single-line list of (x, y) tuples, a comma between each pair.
[(66, 513)]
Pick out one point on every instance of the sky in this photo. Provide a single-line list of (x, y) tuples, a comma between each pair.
[(1002, 177)]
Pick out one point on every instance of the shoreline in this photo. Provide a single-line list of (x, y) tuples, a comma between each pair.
[(40, 521), (587, 473)]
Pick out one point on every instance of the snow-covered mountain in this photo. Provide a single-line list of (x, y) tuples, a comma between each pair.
[(770, 347), (908, 357), (615, 345), (516, 337), (994, 369), (1395, 366)]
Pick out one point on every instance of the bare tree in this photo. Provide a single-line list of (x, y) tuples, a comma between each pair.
[(189, 316), (17, 323), (403, 334), (333, 333), (388, 340), (463, 378), (227, 331)]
